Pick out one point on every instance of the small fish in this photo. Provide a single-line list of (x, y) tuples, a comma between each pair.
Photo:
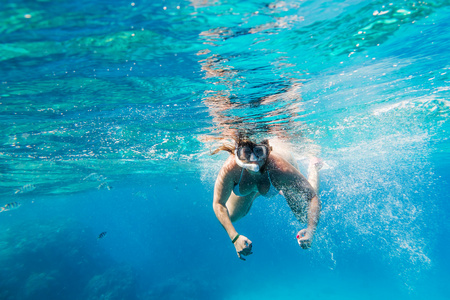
[(25, 189), (10, 206), (101, 235)]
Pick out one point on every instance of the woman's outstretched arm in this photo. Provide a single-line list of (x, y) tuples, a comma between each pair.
[(222, 191)]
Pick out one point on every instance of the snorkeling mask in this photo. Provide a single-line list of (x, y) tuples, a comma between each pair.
[(251, 154)]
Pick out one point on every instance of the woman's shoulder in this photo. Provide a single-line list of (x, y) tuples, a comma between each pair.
[(278, 163), (230, 167)]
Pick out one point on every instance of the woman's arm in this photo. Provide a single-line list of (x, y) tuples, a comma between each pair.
[(301, 198), (305, 205), (313, 213), (222, 191), (303, 201)]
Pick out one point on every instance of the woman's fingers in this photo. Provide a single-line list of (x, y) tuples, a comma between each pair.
[(304, 239), (247, 249), (301, 233), (305, 243), (246, 252), (248, 244)]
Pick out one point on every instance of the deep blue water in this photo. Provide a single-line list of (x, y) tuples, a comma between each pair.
[(109, 109)]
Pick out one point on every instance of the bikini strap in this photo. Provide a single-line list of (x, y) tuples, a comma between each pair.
[(242, 172), (268, 175)]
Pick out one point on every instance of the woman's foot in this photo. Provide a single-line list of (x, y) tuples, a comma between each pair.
[(315, 162)]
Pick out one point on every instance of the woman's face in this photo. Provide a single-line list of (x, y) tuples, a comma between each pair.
[(253, 154)]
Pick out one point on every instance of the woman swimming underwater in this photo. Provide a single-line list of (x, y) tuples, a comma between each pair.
[(255, 169)]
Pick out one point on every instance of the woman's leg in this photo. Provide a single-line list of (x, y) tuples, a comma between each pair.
[(238, 206), (284, 150), (315, 164)]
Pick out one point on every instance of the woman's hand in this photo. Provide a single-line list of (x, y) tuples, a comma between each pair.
[(243, 246), (304, 238)]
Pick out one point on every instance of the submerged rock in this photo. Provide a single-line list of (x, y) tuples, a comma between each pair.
[(58, 259), (114, 284)]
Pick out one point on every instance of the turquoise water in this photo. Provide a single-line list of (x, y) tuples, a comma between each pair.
[(109, 110)]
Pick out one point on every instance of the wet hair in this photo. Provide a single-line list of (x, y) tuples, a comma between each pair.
[(241, 141)]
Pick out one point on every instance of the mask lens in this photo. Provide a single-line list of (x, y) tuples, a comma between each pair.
[(260, 151), (244, 153)]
